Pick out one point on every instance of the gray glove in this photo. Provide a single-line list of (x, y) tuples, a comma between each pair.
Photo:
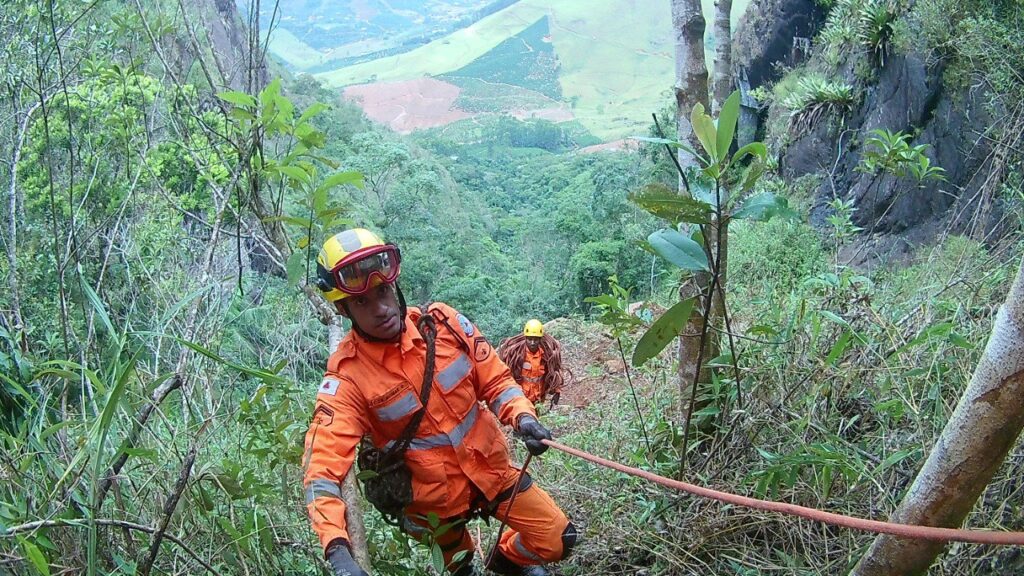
[(533, 432), (341, 560)]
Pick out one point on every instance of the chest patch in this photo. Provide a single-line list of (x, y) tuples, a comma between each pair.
[(467, 326), (329, 386)]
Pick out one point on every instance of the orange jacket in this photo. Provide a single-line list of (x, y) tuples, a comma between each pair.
[(372, 389), (533, 375)]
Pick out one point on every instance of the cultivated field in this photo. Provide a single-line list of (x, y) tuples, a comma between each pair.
[(615, 65)]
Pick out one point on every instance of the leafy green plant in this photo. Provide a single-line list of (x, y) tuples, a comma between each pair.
[(875, 20), (816, 98), (891, 152), (841, 220), (719, 191), (820, 463)]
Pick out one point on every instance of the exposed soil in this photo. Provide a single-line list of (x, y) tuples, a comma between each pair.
[(593, 359), (425, 103), (408, 105)]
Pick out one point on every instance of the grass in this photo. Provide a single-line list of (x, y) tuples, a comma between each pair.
[(482, 96)]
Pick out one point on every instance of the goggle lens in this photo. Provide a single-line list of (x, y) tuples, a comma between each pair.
[(356, 278)]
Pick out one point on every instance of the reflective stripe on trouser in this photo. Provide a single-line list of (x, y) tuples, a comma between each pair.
[(533, 533), (535, 527)]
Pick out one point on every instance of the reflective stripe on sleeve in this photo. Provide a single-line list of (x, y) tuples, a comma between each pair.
[(504, 397), (453, 438), (321, 487)]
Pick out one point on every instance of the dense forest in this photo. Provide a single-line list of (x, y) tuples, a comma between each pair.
[(844, 260)]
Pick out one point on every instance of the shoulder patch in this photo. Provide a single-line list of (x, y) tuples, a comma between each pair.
[(466, 325), (481, 348), (329, 386)]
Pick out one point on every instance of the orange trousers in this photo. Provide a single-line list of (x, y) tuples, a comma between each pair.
[(533, 534)]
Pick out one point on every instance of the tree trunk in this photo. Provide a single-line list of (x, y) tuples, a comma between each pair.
[(691, 89), (722, 80), (979, 434), (17, 321), (350, 488), (691, 74)]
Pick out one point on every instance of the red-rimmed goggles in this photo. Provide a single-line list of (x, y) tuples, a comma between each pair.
[(355, 277)]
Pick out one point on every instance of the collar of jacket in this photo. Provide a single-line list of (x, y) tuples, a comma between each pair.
[(353, 343)]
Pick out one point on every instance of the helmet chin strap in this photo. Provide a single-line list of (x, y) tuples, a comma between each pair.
[(402, 308)]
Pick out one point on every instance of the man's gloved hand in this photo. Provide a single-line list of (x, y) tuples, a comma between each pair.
[(341, 560), (533, 432)]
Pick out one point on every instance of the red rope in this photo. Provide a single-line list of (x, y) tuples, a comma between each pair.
[(905, 530)]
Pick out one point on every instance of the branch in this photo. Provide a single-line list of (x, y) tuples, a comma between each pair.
[(169, 506), (140, 421), (80, 523)]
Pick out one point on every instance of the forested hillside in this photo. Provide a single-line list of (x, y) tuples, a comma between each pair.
[(168, 187)]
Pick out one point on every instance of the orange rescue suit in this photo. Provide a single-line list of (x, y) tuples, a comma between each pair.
[(372, 389), (533, 375)]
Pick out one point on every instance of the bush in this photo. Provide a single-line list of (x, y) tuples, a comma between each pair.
[(773, 257), (815, 98)]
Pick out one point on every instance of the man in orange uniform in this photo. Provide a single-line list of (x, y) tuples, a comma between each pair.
[(533, 363), (456, 455), (535, 360)]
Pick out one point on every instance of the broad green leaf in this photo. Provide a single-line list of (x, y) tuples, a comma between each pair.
[(667, 204), (313, 110), (341, 178), (764, 207), (319, 199), (296, 266), (727, 119), (35, 556), (237, 98), (704, 129), (663, 331), (602, 300), (241, 114), (754, 174), (437, 558), (285, 106), (295, 173), (679, 250), (756, 149)]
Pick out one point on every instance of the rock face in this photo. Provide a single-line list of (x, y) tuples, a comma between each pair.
[(910, 97), (763, 41), (906, 94)]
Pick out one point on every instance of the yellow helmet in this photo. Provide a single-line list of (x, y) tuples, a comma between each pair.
[(353, 261), (533, 328)]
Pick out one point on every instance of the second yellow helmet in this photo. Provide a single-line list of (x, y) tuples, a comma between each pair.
[(533, 328)]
